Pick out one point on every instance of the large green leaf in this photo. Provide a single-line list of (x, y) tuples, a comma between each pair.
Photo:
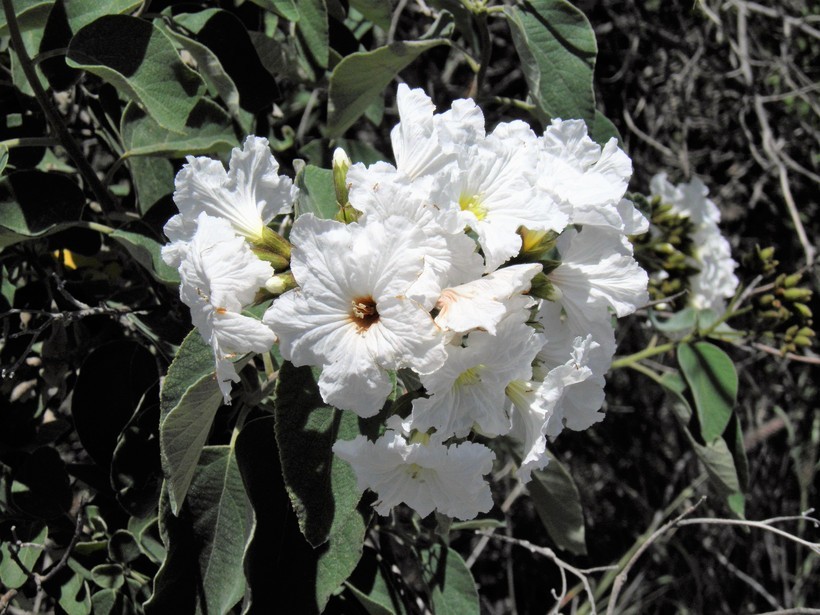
[(189, 399), (30, 14), (557, 48), (321, 487), (313, 29), (558, 504), (452, 584), (283, 8), (147, 252), (306, 429), (712, 378), (727, 476), (203, 572), (208, 129), (140, 61), (360, 78), (34, 204), (226, 59), (377, 11)]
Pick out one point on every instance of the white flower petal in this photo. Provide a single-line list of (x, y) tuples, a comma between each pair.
[(249, 195), (482, 303), (426, 477)]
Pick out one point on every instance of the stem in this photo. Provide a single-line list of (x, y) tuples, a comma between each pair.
[(646, 353), (52, 115), (94, 226), (486, 49), (49, 54), (30, 142)]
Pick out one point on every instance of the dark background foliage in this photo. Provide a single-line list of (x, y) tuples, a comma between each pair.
[(90, 322)]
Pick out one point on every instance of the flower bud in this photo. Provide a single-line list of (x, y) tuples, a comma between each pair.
[(544, 289), (535, 244), (341, 163), (792, 280), (797, 294), (273, 248), (280, 283), (803, 310)]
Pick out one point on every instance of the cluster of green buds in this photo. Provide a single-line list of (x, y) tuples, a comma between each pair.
[(667, 247), (784, 306)]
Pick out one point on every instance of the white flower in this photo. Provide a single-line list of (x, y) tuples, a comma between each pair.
[(588, 354), (495, 190), (424, 143), (451, 256), (425, 476), (588, 182), (467, 392), (567, 387), (597, 271), (219, 277), (716, 280), (483, 303), (351, 314), (249, 195)]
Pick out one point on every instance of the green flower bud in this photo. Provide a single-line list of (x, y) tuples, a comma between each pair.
[(792, 280), (544, 289), (802, 340), (274, 249), (797, 294), (803, 310)]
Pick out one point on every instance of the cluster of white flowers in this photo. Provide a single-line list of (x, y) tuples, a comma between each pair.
[(715, 281), (486, 266)]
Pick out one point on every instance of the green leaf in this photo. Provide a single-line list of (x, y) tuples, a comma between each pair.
[(558, 504), (141, 62), (719, 460), (83, 12), (227, 60), (454, 591), (10, 572), (712, 378), (321, 487), (147, 252), (108, 576), (557, 48), (35, 204), (316, 193), (203, 571), (362, 76), (207, 130), (30, 14), (123, 547), (313, 29), (377, 11), (372, 585), (153, 180), (602, 129), (684, 321), (70, 590), (189, 399), (184, 432), (306, 429), (283, 8), (107, 602)]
